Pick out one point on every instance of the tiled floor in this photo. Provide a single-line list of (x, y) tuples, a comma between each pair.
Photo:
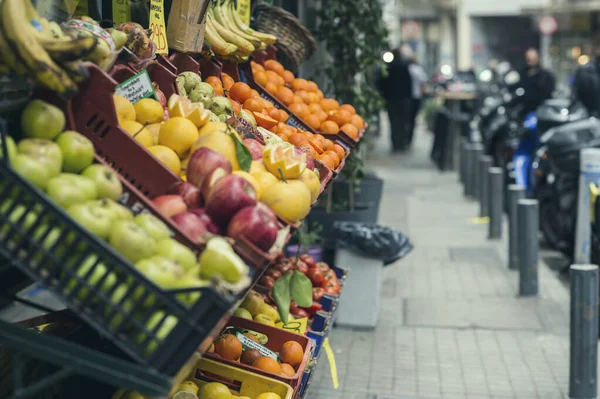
[(451, 325)]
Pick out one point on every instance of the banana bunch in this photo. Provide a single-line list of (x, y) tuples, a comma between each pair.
[(34, 47), (228, 36)]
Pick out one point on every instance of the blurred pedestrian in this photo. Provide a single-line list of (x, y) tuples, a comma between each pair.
[(396, 89), (418, 78), (587, 81), (537, 82)]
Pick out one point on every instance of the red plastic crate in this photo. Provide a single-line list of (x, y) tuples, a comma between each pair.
[(184, 63), (277, 337)]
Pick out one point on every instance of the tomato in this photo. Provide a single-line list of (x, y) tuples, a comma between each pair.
[(323, 266), (314, 308), (299, 313), (317, 293), (267, 281), (276, 274), (293, 305), (316, 276), (306, 258), (302, 267), (330, 276), (331, 287)]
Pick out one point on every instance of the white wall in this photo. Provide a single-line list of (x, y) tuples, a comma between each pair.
[(490, 8)]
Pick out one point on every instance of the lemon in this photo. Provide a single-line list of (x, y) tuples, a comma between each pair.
[(257, 166), (178, 134), (252, 180), (265, 179), (220, 142), (283, 162), (214, 390), (182, 107), (311, 180), (289, 200), (125, 109), (148, 111), (138, 132), (188, 386), (212, 127), (268, 395), (154, 129), (167, 156)]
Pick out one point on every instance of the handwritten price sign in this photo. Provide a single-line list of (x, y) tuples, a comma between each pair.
[(121, 11), (157, 25)]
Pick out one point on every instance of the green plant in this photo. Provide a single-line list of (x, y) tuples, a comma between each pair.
[(355, 36)]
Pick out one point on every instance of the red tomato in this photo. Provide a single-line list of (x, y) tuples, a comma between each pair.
[(318, 293), (306, 258), (302, 267), (331, 287), (299, 313), (276, 274), (330, 275), (316, 276), (267, 281), (323, 266)]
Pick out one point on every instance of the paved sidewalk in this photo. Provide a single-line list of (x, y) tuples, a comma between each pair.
[(451, 325)]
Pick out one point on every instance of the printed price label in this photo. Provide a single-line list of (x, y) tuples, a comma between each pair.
[(136, 88), (121, 10), (297, 326), (157, 25), (332, 365), (243, 8)]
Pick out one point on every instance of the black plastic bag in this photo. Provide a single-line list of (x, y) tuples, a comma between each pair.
[(372, 241)]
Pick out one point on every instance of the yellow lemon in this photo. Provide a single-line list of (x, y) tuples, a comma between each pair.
[(138, 132), (182, 107), (265, 179), (220, 142), (167, 156), (257, 166), (148, 111), (214, 390), (124, 108), (289, 200), (268, 395), (212, 127), (252, 180), (311, 179), (283, 161), (154, 129), (178, 134)]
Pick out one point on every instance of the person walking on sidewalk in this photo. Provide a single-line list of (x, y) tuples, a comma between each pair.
[(396, 89), (419, 78), (537, 82), (587, 82)]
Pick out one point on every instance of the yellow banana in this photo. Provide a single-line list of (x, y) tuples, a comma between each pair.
[(76, 70), (222, 14), (243, 45), (9, 58), (69, 50), (37, 61), (218, 44), (264, 37)]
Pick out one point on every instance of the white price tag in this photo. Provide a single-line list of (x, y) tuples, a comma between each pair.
[(136, 87)]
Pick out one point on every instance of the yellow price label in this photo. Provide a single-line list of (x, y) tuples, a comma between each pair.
[(157, 25), (121, 10), (332, 365), (297, 326), (243, 8), (43, 7)]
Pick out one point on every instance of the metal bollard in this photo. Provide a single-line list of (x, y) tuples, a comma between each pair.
[(528, 246), (469, 169), (583, 367), (589, 172), (515, 193), (485, 162), (478, 149), (496, 201), (463, 159)]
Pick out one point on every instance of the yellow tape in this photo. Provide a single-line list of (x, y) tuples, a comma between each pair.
[(484, 220), (332, 365)]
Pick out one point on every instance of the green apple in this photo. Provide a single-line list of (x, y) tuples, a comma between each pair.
[(92, 273), (131, 241), (171, 249), (67, 189), (243, 313), (127, 305), (10, 146), (106, 180), (164, 326), (194, 271), (187, 281), (78, 151), (264, 319), (161, 271), (270, 312), (253, 303), (45, 151), (31, 170), (121, 212), (42, 120), (153, 226), (218, 259), (95, 219)]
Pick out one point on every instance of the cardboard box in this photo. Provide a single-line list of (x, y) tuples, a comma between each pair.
[(185, 29)]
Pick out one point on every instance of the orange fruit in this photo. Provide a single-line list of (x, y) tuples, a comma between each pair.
[(254, 94), (260, 78), (313, 153), (216, 84), (320, 95), (256, 65), (349, 108), (329, 104), (288, 131), (240, 92), (263, 120), (326, 160), (304, 95), (339, 150), (272, 65), (334, 156), (284, 95), (311, 86), (228, 81), (283, 116), (341, 117), (236, 106), (313, 121), (299, 109), (299, 84), (268, 104), (273, 113), (297, 100), (252, 337), (299, 139), (358, 122), (329, 127), (288, 77), (254, 105), (287, 370), (315, 144), (282, 137), (322, 116), (269, 364), (315, 108), (350, 130), (271, 87), (275, 78), (211, 348), (229, 347), (328, 144)]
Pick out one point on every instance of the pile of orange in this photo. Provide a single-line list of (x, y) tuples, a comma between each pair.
[(306, 101)]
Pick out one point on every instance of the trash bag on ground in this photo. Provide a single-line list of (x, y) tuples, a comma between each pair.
[(372, 241)]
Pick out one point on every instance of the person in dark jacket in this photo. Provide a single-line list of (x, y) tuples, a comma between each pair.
[(537, 82), (396, 89), (586, 88)]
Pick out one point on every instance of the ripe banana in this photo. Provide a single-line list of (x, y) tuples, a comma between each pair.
[(264, 37), (37, 62), (222, 15), (218, 44), (69, 50), (243, 45), (76, 70)]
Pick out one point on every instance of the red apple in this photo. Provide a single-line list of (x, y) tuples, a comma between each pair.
[(191, 225), (227, 197), (208, 222), (210, 181), (203, 163), (257, 224), (310, 162), (255, 148), (191, 194), (170, 205)]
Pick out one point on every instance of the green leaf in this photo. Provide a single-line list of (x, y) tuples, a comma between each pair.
[(282, 296), (243, 154), (301, 288)]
